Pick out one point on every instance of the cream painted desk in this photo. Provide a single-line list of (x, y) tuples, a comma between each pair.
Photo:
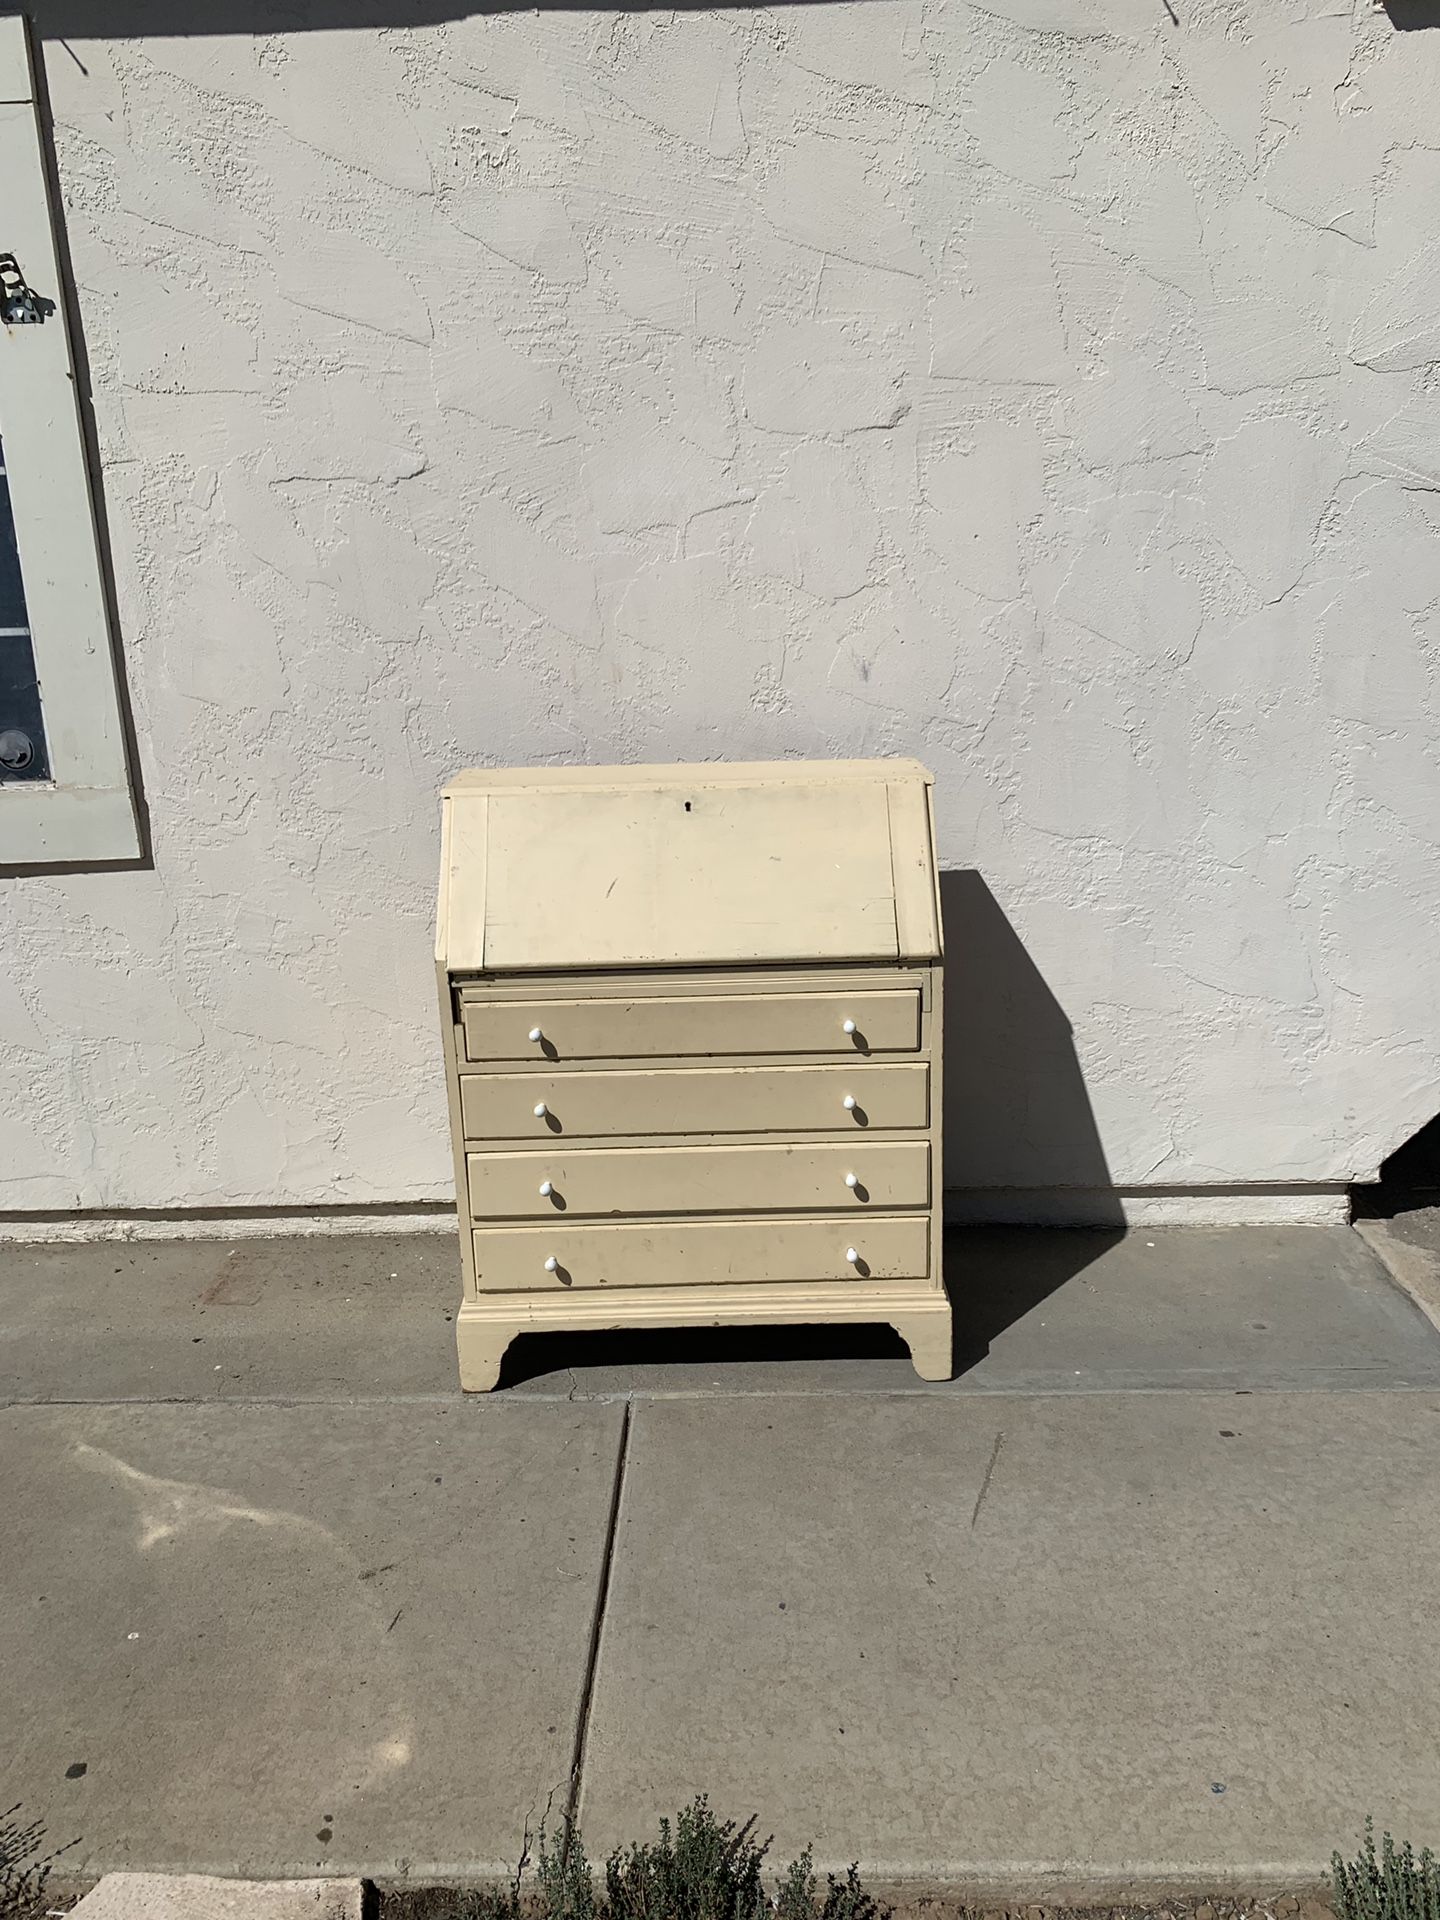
[(692, 1042)]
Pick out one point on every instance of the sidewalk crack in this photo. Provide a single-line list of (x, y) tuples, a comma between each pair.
[(989, 1475)]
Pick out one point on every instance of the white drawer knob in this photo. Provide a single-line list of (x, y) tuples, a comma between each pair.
[(546, 1189), (847, 1026), (852, 1254), (848, 1103), (540, 1109), (852, 1179), (535, 1034), (551, 1264)]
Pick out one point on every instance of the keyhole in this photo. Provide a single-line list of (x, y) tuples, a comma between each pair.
[(687, 806)]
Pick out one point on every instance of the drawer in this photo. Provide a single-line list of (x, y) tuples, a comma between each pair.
[(503, 1106), (702, 1252), (646, 1180), (884, 1020)]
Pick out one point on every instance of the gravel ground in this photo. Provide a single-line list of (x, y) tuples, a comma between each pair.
[(445, 1903)]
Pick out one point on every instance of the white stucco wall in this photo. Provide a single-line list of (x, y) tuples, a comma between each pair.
[(1040, 387)]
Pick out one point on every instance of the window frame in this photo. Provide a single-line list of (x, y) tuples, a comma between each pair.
[(85, 812)]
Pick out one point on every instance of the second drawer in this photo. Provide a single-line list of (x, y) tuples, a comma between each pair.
[(566, 1182), (541, 1106)]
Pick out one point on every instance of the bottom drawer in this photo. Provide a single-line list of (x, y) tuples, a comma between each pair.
[(699, 1253)]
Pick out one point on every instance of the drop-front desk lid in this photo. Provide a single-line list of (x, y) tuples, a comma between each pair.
[(571, 867)]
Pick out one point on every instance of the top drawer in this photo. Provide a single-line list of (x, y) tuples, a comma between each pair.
[(872, 1020)]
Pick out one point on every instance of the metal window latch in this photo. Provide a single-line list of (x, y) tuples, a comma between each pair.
[(20, 305)]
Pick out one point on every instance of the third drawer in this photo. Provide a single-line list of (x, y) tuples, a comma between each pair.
[(567, 1182), (542, 1106)]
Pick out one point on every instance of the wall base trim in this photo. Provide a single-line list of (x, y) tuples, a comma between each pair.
[(249, 1223), (1319, 1204), (1325, 1204)]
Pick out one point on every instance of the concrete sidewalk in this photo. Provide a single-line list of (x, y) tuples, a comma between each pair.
[(1145, 1594)]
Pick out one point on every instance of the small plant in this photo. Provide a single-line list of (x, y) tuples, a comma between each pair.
[(700, 1868), (23, 1869), (567, 1887), (708, 1869), (844, 1899), (1396, 1886)]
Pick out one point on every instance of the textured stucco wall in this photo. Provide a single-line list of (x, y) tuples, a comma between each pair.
[(1040, 387)]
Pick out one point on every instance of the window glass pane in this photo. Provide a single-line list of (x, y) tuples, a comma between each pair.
[(22, 728)]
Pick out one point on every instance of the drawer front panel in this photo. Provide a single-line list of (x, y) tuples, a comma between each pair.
[(886, 1020), (650, 1180), (502, 1106), (701, 1253)]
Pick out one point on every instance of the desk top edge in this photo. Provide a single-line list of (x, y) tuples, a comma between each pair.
[(478, 781)]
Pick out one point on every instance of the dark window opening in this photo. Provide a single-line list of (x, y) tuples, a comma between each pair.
[(23, 753)]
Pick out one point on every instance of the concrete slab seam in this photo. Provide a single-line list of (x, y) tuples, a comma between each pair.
[(597, 1628), (636, 1396)]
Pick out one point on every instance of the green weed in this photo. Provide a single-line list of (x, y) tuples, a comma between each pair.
[(1398, 1885), (699, 1868)]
